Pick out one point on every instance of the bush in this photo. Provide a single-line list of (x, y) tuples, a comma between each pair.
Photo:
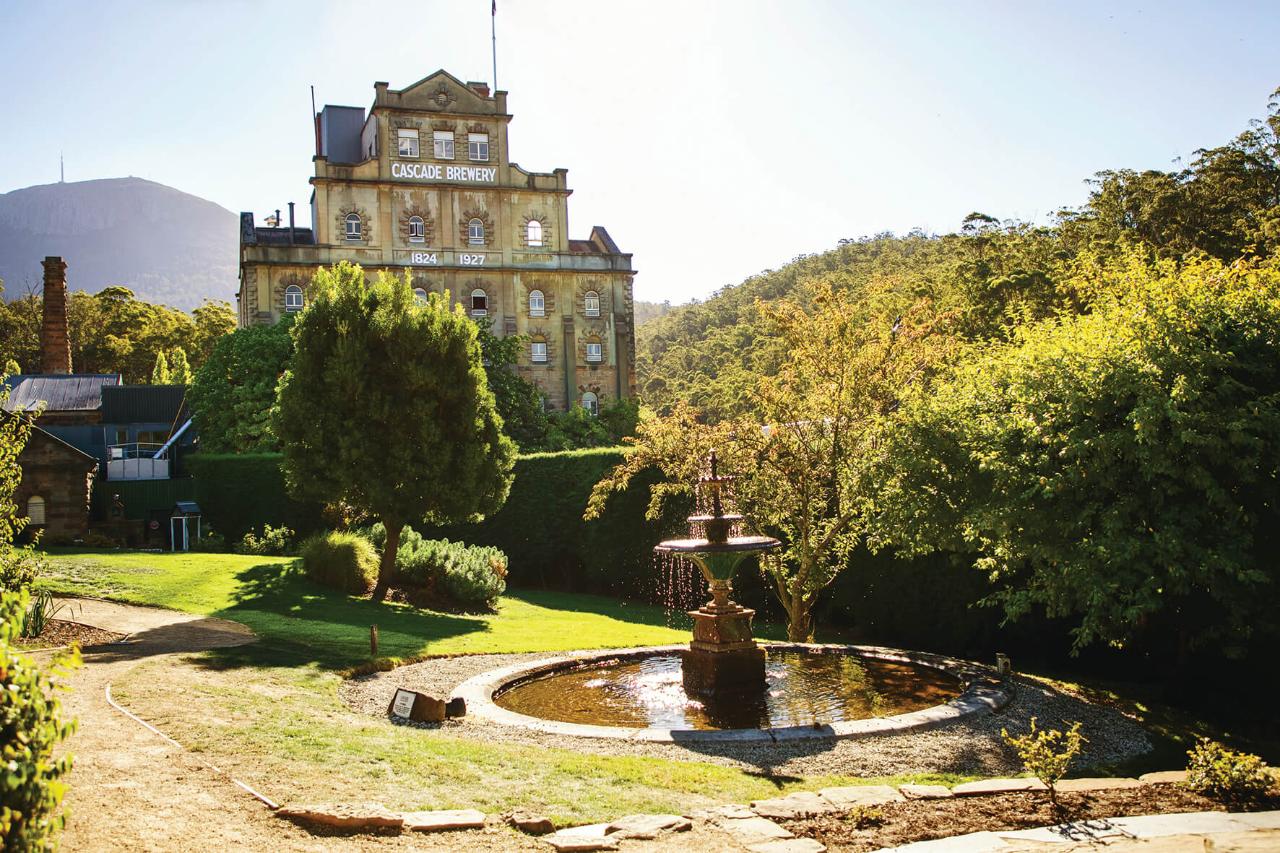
[(344, 561), (1047, 754), (467, 575), (211, 542), (31, 785), (1225, 775), (19, 567), (274, 542)]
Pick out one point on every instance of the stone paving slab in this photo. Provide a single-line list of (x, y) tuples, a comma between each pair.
[(925, 792), (1260, 820), (646, 827), (344, 815), (1164, 777), (1097, 784), (792, 845), (587, 830), (1076, 831), (800, 804), (851, 796), (753, 829), (580, 843), (445, 820), (997, 786), (974, 842), (1189, 823)]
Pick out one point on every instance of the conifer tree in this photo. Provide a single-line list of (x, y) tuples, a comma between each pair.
[(385, 408), (160, 372), (179, 368)]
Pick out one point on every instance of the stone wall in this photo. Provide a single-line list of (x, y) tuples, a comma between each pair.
[(63, 476)]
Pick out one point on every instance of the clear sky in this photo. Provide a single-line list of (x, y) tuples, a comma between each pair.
[(712, 139)]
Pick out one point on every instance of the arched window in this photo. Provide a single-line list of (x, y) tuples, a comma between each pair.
[(354, 226), (417, 230), (35, 510), (591, 403), (537, 304), (591, 304), (475, 232), (293, 298), (420, 295), (538, 351), (533, 233), (595, 352), (479, 303)]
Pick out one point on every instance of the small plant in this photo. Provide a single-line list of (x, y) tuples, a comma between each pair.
[(865, 817), (19, 567), (31, 725), (211, 542), (274, 542), (1046, 754), (1226, 775), (344, 561), (42, 608)]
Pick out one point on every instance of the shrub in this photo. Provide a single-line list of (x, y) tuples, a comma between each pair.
[(1226, 775), (31, 785), (19, 567), (1047, 754), (467, 575), (42, 608), (274, 542), (344, 561), (211, 542)]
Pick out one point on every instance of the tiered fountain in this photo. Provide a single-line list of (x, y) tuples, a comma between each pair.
[(722, 658)]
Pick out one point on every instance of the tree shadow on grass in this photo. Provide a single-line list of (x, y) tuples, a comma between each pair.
[(299, 622)]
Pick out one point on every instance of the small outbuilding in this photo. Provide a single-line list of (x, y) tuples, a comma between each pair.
[(184, 525)]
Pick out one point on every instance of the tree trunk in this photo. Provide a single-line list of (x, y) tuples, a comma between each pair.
[(800, 620), (387, 568)]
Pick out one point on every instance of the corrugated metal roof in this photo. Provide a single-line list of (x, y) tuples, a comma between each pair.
[(72, 392), (142, 404)]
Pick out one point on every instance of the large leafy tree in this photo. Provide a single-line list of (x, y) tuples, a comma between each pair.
[(385, 408), (232, 393), (802, 458), (1117, 467)]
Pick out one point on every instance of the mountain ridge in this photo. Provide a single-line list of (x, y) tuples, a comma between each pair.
[(164, 244)]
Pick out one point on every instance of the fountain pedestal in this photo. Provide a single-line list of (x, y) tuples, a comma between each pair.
[(722, 658)]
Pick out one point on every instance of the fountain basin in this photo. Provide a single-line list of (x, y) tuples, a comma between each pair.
[(977, 688)]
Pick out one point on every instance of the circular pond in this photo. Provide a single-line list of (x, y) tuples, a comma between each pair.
[(814, 691), (804, 688)]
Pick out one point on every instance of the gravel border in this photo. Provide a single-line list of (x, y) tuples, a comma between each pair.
[(969, 746)]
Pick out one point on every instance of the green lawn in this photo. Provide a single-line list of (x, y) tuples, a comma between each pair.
[(271, 596), (270, 712)]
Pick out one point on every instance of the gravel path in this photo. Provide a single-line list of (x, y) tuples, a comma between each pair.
[(971, 746)]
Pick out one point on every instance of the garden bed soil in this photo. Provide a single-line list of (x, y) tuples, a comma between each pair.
[(924, 820), (62, 632)]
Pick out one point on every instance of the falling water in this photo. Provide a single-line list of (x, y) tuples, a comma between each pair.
[(680, 586)]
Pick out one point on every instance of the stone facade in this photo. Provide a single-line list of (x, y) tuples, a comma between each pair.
[(62, 477), (424, 185)]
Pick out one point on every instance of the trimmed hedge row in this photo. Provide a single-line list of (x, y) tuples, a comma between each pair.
[(238, 493)]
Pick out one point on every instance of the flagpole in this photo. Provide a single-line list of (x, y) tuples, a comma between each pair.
[(493, 29)]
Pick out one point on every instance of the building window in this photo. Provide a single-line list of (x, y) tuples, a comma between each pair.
[(478, 146), (591, 304), (479, 303), (293, 298), (533, 233), (408, 142), (595, 352), (475, 232), (443, 144), (35, 510), (538, 352), (591, 403), (354, 226), (417, 230), (537, 304), (420, 295)]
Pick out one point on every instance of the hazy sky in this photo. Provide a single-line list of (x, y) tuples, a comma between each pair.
[(713, 139)]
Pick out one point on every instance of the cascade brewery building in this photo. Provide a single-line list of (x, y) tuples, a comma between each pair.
[(424, 182)]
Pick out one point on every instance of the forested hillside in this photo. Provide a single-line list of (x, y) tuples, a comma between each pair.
[(988, 278)]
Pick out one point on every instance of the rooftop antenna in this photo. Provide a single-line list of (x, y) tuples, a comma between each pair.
[(62, 169), (315, 120), (493, 28)]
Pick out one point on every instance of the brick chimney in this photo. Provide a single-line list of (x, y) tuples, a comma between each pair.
[(55, 347)]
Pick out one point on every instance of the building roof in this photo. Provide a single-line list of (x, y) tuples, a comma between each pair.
[(38, 434), (143, 404), (72, 392), (280, 236)]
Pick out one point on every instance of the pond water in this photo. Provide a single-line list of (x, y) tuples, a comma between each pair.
[(803, 688)]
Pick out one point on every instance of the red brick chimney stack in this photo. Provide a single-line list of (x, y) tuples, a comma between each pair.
[(55, 347)]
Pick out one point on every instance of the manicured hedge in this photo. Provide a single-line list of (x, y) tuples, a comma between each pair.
[(241, 492)]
